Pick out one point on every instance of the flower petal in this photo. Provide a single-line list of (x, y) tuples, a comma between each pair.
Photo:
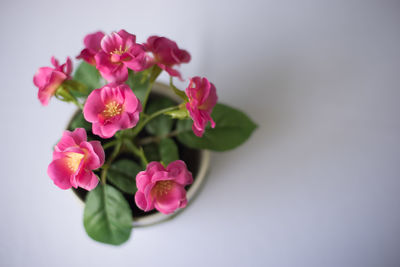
[(98, 149), (79, 135), (67, 67), (92, 161), (125, 121), (142, 180), (66, 141), (97, 129), (108, 130), (120, 75), (160, 176), (175, 198), (87, 55), (128, 39), (92, 41), (87, 180), (132, 103), (112, 72), (171, 71), (178, 170), (142, 202), (60, 173), (197, 131), (93, 106), (55, 62), (110, 42), (48, 90), (154, 167), (42, 76)]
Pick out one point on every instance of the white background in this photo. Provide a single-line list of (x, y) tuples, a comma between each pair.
[(316, 185)]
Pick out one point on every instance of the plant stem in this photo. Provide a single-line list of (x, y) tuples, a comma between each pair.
[(146, 119), (156, 139), (137, 152), (110, 144), (106, 166), (147, 95), (155, 71), (77, 103)]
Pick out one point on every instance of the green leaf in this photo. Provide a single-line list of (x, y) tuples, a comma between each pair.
[(138, 82), (155, 71), (107, 216), (79, 122), (178, 92), (162, 124), (232, 129), (88, 75), (122, 174), (168, 151), (151, 152)]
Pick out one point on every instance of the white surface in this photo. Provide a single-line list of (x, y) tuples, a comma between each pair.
[(316, 185)]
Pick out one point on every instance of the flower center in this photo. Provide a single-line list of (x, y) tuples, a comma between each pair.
[(120, 51), (162, 187), (74, 160), (112, 109)]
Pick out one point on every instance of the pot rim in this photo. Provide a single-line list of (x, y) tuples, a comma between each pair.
[(193, 191)]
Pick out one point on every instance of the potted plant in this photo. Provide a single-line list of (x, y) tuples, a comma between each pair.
[(136, 151)]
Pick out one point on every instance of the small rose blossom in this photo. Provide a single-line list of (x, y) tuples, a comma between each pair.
[(48, 79), (92, 47), (163, 188), (74, 159), (166, 54), (112, 108), (119, 52), (202, 99)]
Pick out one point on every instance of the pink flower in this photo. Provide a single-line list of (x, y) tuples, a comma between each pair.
[(166, 54), (112, 108), (48, 79), (119, 51), (163, 189), (202, 99), (74, 159), (92, 47)]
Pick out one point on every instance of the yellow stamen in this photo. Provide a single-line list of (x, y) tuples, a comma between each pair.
[(112, 109), (120, 51), (74, 160), (162, 187)]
